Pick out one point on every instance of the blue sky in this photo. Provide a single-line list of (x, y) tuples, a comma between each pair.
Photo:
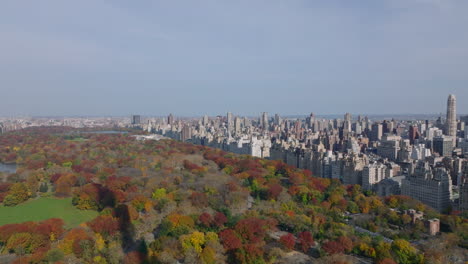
[(92, 57)]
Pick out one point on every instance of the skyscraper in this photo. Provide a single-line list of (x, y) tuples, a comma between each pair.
[(277, 120), (451, 122), (376, 132), (237, 126), (347, 122), (136, 119), (205, 120), (170, 119), (230, 122), (413, 133), (264, 121)]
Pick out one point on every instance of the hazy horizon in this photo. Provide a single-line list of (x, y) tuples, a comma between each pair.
[(402, 116), (115, 58)]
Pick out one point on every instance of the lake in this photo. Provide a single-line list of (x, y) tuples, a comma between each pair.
[(8, 168)]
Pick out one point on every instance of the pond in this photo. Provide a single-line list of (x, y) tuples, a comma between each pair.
[(8, 168)]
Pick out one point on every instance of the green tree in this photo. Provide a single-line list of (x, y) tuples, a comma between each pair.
[(55, 255), (43, 188)]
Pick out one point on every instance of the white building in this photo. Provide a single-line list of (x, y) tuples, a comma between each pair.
[(431, 187)]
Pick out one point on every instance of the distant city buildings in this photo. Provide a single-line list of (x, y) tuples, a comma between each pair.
[(423, 158)]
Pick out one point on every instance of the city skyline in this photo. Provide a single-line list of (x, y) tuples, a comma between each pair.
[(246, 57)]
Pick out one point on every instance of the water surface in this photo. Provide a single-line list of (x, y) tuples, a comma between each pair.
[(8, 168)]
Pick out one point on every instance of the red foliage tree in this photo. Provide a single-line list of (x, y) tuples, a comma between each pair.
[(250, 254), (6, 231), (4, 188), (31, 235), (252, 229), (230, 239), (306, 240), (54, 178), (333, 247), (134, 257), (49, 227), (346, 243), (205, 219), (104, 224), (220, 219), (274, 190), (387, 261), (191, 166), (288, 241)]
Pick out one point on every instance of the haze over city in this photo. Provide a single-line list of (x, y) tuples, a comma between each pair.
[(189, 58)]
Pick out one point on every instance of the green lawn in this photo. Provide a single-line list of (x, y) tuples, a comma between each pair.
[(45, 208), (79, 139)]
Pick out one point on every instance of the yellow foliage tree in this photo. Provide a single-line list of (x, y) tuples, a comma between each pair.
[(195, 240), (208, 256), (100, 243)]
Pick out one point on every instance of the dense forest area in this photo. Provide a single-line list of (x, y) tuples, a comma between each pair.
[(172, 202)]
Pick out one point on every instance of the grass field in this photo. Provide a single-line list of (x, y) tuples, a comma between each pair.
[(45, 208)]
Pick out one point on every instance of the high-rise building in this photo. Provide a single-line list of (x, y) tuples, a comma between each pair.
[(443, 145), (170, 119), (463, 201), (347, 122), (373, 174), (186, 133), (230, 122), (464, 119), (432, 187), (264, 121), (463, 145), (205, 120), (387, 127), (310, 120), (389, 147), (136, 119), (237, 126), (376, 132), (451, 122), (413, 133), (277, 120)]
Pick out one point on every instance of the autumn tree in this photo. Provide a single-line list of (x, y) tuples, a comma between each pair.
[(333, 247), (306, 241), (106, 225), (405, 253), (288, 241), (18, 193), (220, 219), (205, 219), (274, 190)]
